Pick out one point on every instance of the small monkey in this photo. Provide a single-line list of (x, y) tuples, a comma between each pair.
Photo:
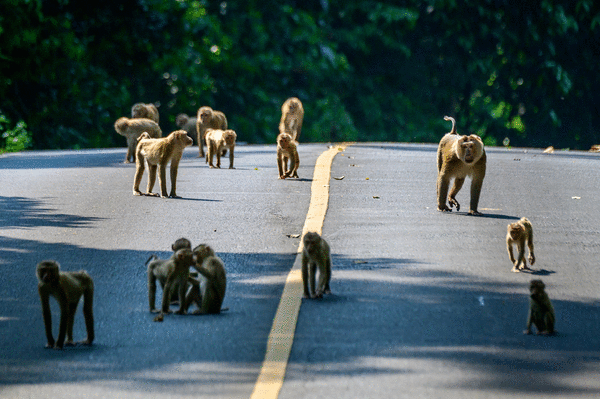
[(519, 233), (459, 157), (208, 119), (180, 273), (287, 150), (148, 111), (187, 123), (218, 140), (194, 294), (158, 153), (209, 292), (315, 254), (131, 129), (541, 312), (159, 269), (67, 288), (292, 114)]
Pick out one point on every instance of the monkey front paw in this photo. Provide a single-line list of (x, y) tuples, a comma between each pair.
[(515, 270), (138, 193), (443, 208), (70, 343), (527, 332), (87, 342), (531, 260), (152, 194), (160, 318), (474, 213), (454, 204), (49, 346)]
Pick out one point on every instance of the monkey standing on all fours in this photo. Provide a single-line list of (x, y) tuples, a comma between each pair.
[(67, 288), (315, 255), (459, 157)]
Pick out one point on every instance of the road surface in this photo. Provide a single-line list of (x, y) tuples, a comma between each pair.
[(423, 304)]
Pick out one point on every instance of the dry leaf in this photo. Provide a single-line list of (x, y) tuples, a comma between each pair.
[(293, 235), (376, 197), (339, 178), (576, 198), (549, 150)]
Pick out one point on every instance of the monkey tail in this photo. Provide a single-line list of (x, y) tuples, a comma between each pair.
[(449, 118), (151, 258)]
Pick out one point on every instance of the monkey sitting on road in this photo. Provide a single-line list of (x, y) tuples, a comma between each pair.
[(159, 269), (519, 233), (209, 291), (541, 312), (315, 254), (67, 288), (459, 157)]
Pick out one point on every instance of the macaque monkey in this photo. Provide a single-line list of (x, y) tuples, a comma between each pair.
[(158, 153), (159, 269), (287, 150), (148, 111), (132, 130), (208, 293), (519, 233), (67, 288), (459, 157), (194, 294), (541, 312), (180, 273), (315, 254), (218, 140), (208, 119), (184, 122), (292, 114)]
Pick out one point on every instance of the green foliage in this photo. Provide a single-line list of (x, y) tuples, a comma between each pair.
[(14, 139), (364, 70)]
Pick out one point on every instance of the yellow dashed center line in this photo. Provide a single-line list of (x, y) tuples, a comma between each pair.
[(281, 337)]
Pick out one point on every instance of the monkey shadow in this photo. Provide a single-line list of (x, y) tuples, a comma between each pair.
[(491, 216), (538, 272), (22, 212), (300, 179)]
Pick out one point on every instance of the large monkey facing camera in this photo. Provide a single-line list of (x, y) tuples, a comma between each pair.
[(208, 119), (315, 256), (459, 157), (67, 288)]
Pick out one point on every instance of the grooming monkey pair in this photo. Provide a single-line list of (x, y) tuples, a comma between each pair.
[(175, 278)]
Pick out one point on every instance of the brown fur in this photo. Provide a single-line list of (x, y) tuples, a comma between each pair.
[(158, 153), (287, 150), (541, 312), (184, 122), (315, 255), (520, 233), (141, 110), (292, 115), (208, 119), (159, 269), (209, 292), (132, 129), (67, 288), (459, 157), (218, 140)]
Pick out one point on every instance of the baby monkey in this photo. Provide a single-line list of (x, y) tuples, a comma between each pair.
[(541, 312), (316, 254), (519, 233)]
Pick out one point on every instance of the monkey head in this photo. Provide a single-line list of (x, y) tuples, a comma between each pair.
[(205, 114), (183, 137), (184, 256), (312, 242), (121, 125), (181, 243), (536, 289), (181, 120), (48, 272), (230, 137), (516, 231), (469, 148), (284, 140), (202, 252)]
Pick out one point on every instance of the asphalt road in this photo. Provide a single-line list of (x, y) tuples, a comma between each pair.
[(423, 304)]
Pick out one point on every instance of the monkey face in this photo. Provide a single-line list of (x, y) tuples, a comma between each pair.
[(536, 289), (47, 272), (181, 120), (516, 231), (206, 114)]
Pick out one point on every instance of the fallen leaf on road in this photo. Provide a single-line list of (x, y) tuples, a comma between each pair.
[(367, 178), (339, 178), (293, 235), (549, 150), (575, 197), (376, 197), (360, 262)]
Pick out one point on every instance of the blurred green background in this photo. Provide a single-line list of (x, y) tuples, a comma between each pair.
[(364, 70)]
